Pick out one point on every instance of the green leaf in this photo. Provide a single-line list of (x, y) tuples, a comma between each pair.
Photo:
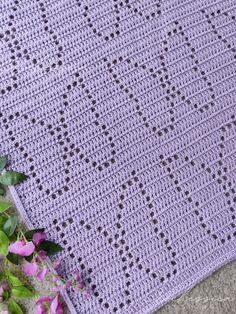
[(50, 247), (13, 258), (2, 191), (29, 258), (14, 308), (12, 178), (22, 292), (4, 206), (10, 225), (30, 233), (3, 219), (6, 295), (4, 243), (13, 237), (13, 280), (3, 162)]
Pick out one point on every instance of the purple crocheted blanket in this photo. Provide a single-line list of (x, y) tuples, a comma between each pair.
[(122, 112)]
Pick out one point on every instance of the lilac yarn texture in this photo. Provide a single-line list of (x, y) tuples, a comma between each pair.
[(122, 113)]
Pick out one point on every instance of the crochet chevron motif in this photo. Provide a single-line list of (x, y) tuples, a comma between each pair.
[(122, 113)]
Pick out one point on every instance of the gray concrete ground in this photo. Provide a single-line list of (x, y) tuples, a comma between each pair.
[(214, 295)]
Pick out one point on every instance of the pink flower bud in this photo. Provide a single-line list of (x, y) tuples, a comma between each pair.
[(42, 273), (39, 237), (86, 293), (57, 264), (43, 300), (42, 256), (40, 309), (68, 284), (56, 306), (30, 269)]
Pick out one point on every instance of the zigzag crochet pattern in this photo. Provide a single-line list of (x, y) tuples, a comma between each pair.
[(122, 113)]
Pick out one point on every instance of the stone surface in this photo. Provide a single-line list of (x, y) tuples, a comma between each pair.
[(214, 295)]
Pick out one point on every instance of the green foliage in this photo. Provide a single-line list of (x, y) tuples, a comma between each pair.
[(13, 279), (9, 232), (29, 258), (10, 225), (22, 292), (3, 162), (2, 190), (18, 289), (50, 247), (3, 219), (14, 308), (12, 178), (30, 233), (4, 206), (4, 243), (6, 295), (13, 258)]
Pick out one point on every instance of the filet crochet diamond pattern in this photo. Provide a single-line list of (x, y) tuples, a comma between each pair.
[(122, 112)]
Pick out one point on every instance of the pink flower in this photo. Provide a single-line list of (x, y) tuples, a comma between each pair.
[(42, 256), (60, 286), (36, 268), (4, 286), (86, 293), (81, 285), (56, 306), (78, 276), (42, 273), (22, 248), (54, 303), (39, 237), (79, 280), (30, 269), (44, 300), (57, 264), (40, 309), (40, 305), (69, 284)]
